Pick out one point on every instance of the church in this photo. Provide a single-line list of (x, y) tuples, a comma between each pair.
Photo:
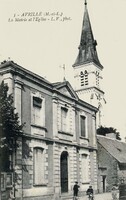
[(60, 126)]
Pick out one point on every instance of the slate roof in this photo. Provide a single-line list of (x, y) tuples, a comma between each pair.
[(114, 147), (87, 49)]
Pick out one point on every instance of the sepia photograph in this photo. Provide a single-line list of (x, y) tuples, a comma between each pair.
[(62, 100)]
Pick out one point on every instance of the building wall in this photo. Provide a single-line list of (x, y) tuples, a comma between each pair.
[(109, 168), (49, 136)]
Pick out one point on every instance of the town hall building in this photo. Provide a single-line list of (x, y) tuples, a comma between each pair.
[(60, 134)]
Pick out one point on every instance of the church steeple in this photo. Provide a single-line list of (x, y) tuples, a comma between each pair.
[(88, 69), (87, 48)]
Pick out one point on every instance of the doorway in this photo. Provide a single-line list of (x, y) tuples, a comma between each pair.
[(104, 183), (64, 171)]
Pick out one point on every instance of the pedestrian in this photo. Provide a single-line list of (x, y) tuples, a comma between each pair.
[(75, 190), (114, 192), (90, 192), (122, 190)]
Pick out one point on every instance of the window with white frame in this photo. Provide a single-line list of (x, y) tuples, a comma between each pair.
[(38, 113), (64, 113), (84, 168), (83, 126), (39, 171)]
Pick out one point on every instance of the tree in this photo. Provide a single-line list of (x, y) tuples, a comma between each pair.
[(105, 130), (10, 129)]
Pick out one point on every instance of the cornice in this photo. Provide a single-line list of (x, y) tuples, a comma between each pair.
[(52, 141), (93, 87), (13, 68)]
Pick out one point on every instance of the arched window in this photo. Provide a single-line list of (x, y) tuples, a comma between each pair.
[(64, 171), (97, 78), (86, 77), (82, 78)]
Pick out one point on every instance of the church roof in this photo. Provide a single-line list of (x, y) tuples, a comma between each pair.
[(114, 147), (87, 49)]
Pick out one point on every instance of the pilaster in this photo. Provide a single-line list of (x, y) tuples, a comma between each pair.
[(18, 98), (55, 117)]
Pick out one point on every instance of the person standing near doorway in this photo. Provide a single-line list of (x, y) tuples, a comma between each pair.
[(75, 190)]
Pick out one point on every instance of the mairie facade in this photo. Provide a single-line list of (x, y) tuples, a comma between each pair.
[(58, 146)]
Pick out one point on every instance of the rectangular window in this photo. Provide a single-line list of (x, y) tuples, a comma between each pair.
[(36, 116), (64, 112), (38, 166), (83, 125), (37, 111), (37, 102), (84, 168)]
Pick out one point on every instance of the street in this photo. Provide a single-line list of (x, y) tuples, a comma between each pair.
[(104, 196)]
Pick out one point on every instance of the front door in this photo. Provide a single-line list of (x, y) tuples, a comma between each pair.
[(64, 171), (104, 181)]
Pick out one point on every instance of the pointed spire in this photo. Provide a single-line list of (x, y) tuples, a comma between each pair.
[(87, 48)]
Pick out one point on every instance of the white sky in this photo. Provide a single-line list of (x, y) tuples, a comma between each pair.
[(44, 46)]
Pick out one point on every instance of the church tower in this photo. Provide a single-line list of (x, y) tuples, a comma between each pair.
[(87, 69)]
